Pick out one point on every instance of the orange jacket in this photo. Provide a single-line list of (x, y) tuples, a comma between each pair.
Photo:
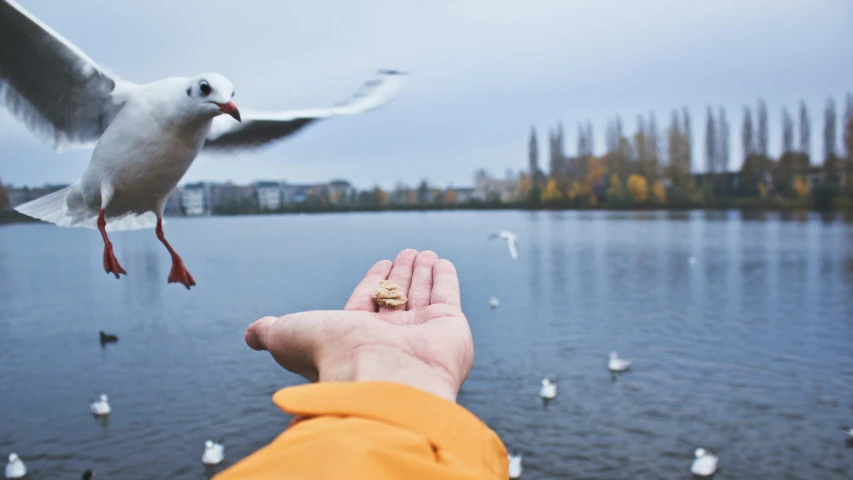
[(374, 430)]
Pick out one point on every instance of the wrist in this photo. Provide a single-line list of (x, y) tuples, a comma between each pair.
[(389, 364)]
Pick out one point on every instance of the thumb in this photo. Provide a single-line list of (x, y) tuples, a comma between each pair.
[(295, 341)]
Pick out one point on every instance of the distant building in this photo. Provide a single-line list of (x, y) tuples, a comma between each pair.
[(194, 199), (224, 197), (463, 195), (488, 189), (340, 192), (269, 195), (173, 204)]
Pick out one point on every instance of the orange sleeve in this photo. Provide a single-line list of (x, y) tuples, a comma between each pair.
[(374, 430)]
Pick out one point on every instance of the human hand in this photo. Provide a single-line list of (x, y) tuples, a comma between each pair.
[(427, 346)]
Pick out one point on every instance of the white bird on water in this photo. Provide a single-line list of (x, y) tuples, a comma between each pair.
[(514, 466), (100, 406), (548, 390), (847, 430), (213, 454), (494, 302), (705, 463), (616, 364), (511, 240), (145, 136), (15, 468)]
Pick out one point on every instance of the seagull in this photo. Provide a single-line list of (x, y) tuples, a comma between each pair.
[(214, 453), (705, 463), (847, 430), (514, 465), (494, 302), (100, 406), (617, 364), (108, 338), (511, 240), (145, 136), (15, 468), (548, 390)]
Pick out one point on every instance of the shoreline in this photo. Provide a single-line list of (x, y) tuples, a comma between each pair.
[(9, 217)]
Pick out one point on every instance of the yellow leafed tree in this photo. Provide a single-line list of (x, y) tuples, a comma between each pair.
[(615, 189), (639, 188), (800, 187), (658, 193), (762, 190), (412, 197), (551, 193), (450, 196)]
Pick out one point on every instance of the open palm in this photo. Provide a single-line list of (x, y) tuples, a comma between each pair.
[(428, 345)]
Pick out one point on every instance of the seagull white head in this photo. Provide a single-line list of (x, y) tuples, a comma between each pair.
[(700, 452), (13, 457), (103, 397), (211, 94), (208, 444), (545, 381), (613, 355)]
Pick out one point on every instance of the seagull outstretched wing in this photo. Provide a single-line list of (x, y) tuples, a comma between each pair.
[(261, 128), (50, 84)]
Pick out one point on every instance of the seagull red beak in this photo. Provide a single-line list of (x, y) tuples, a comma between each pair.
[(230, 109)]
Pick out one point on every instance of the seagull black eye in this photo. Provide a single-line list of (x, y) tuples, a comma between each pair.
[(204, 87)]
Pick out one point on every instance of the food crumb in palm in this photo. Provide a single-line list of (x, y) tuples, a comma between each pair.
[(387, 294)]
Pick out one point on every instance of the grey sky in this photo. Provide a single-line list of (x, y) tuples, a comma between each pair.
[(482, 72)]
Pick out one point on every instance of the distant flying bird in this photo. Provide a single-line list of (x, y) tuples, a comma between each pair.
[(15, 468), (100, 406), (145, 137), (213, 454), (511, 240), (616, 364), (705, 463)]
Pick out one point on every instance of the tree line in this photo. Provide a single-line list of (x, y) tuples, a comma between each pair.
[(654, 167)]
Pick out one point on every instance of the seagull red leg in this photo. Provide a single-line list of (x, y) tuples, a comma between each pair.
[(179, 273), (111, 264)]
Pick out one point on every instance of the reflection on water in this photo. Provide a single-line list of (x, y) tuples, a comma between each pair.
[(745, 350)]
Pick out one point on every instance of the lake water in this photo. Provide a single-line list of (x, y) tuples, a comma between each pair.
[(748, 351)]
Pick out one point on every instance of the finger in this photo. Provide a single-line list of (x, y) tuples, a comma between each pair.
[(401, 273), (421, 288), (362, 296), (292, 340), (445, 284)]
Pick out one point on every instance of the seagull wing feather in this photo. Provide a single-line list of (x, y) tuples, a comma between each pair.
[(261, 128), (50, 84)]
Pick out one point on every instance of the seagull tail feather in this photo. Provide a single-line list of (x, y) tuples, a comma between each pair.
[(66, 208)]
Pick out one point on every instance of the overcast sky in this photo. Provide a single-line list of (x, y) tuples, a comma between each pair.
[(482, 72)]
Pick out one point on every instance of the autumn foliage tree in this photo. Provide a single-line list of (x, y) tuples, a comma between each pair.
[(638, 187), (658, 193), (551, 196)]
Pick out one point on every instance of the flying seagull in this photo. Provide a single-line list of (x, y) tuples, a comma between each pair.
[(511, 240), (145, 137)]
